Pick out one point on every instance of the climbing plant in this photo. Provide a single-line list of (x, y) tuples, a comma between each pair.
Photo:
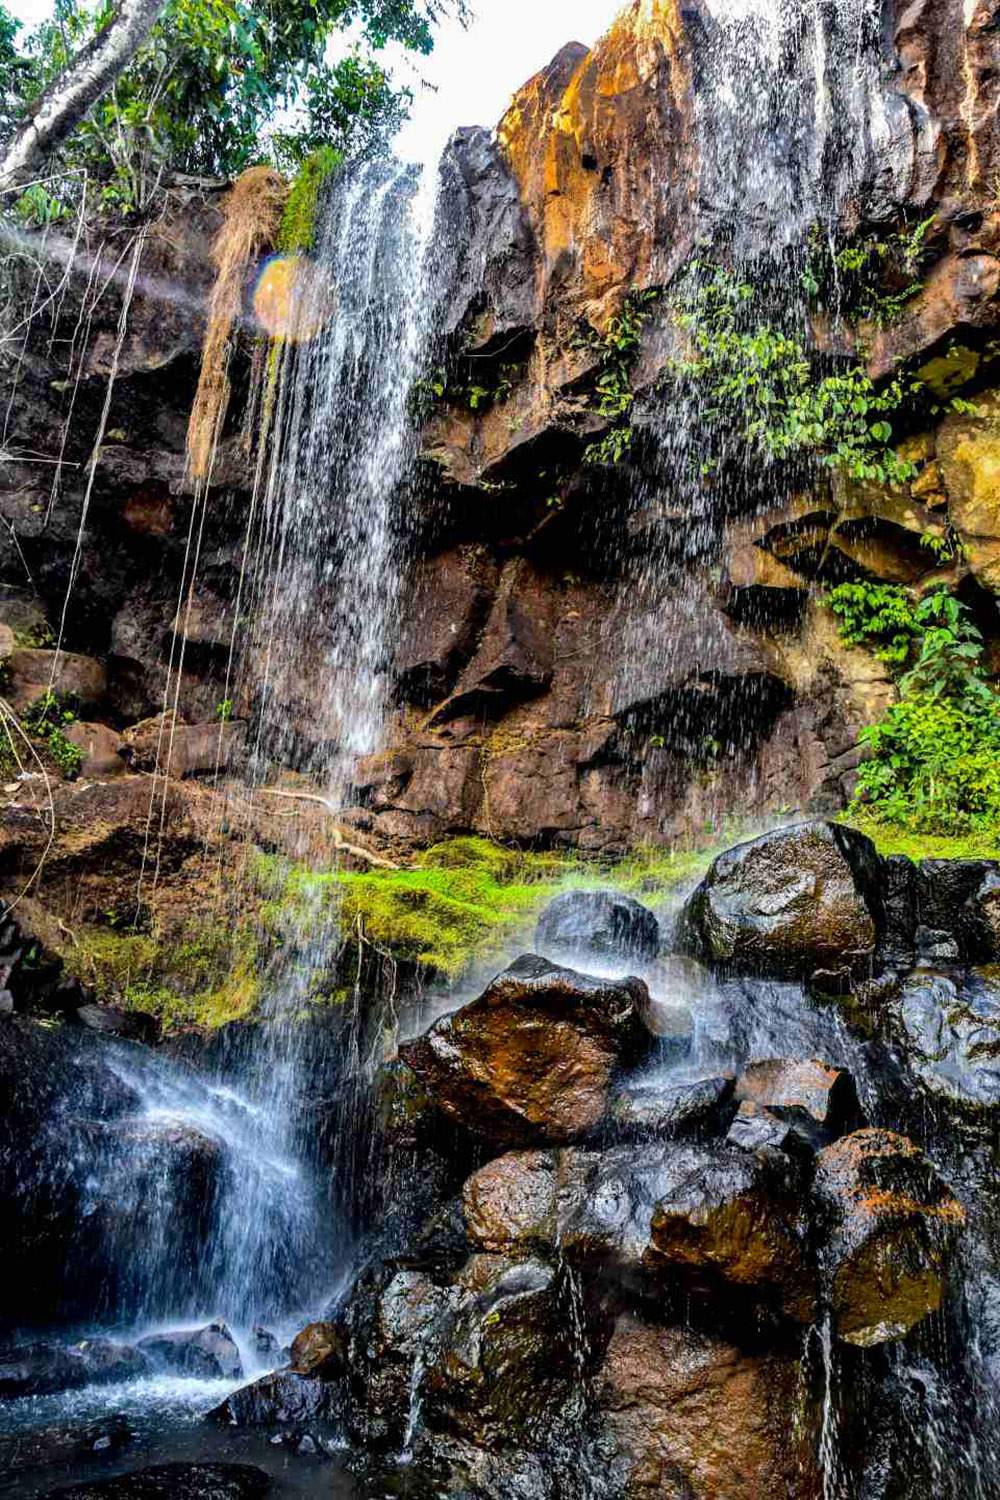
[(871, 278), (619, 347), (934, 756), (760, 382)]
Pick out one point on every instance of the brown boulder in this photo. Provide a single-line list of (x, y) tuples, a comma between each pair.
[(531, 1060), (892, 1224), (788, 902), (32, 673), (511, 1203), (320, 1349), (448, 603), (697, 1419), (100, 747)]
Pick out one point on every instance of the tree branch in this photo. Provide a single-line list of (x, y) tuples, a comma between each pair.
[(63, 104)]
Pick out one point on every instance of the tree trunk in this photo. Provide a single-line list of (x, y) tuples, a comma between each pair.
[(67, 98)]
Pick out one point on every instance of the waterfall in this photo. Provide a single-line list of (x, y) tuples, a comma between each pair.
[(328, 567), (228, 1188)]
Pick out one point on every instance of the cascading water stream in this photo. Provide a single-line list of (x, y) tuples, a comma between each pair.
[(779, 169), (219, 1192)]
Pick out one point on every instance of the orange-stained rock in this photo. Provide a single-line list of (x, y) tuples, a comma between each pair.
[(697, 1418), (892, 1226), (320, 1349), (601, 146)]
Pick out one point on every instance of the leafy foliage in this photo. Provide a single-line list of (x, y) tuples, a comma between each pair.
[(880, 615), (619, 346), (871, 279), (934, 763), (760, 382), (15, 71), (47, 720), (202, 94)]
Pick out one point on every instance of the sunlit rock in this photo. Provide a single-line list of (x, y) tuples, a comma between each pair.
[(531, 1060), (891, 1225)]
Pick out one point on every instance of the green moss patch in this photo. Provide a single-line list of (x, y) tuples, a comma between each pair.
[(298, 224), (465, 900), (888, 838), (207, 974)]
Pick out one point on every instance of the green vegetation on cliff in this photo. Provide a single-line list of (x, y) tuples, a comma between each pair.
[(760, 382), (934, 756), (466, 900), (204, 974)]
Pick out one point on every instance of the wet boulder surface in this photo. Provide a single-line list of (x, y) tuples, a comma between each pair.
[(600, 924), (209, 1353), (789, 903), (637, 1306), (949, 1027), (532, 1059)]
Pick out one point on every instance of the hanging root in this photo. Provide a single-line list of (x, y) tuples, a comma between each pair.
[(13, 735), (253, 213), (339, 841)]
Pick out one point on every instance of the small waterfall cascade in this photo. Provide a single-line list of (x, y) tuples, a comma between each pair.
[(225, 1188), (789, 107), (328, 566)]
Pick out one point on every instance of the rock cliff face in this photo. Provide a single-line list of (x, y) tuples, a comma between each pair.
[(589, 654)]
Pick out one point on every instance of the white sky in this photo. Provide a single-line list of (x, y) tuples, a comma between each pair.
[(473, 72)]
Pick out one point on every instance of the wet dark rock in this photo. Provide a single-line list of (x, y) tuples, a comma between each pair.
[(604, 924), (265, 1344), (176, 1482), (816, 1101), (959, 900), (789, 903), (899, 902), (60, 1445), (890, 1227), (448, 603), (655, 1111), (320, 1349), (286, 1400), (42, 1369), (949, 1027), (513, 662), (209, 1353), (106, 1020), (757, 1129), (736, 1221), (503, 1361), (531, 1060), (935, 946), (393, 1316)]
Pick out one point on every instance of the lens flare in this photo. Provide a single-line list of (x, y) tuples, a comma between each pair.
[(293, 298)]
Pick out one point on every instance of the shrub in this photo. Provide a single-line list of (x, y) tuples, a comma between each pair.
[(934, 762)]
